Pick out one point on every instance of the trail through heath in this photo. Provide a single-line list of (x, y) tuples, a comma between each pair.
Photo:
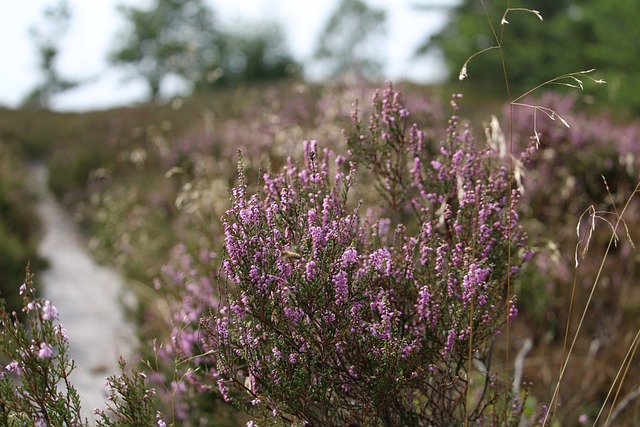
[(88, 296)]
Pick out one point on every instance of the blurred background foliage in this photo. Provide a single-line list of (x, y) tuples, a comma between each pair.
[(182, 38), (574, 36), (47, 37), (19, 226), (347, 43)]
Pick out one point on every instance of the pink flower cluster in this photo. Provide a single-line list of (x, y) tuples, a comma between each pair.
[(332, 315)]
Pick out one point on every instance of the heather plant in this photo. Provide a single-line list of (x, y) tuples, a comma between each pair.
[(131, 402), (34, 384), (184, 288), (35, 369), (329, 316), (188, 287)]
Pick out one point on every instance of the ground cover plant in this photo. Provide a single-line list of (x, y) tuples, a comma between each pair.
[(419, 173), (34, 376), (371, 320), (394, 269)]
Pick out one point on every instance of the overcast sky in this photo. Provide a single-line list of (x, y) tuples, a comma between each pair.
[(95, 23)]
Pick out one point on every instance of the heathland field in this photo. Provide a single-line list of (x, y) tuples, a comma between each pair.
[(346, 254)]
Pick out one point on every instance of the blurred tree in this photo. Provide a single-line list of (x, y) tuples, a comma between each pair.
[(346, 44), (574, 36), (615, 49), (172, 38), (256, 56), (47, 38)]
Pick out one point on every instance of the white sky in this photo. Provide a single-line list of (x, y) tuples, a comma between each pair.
[(95, 24)]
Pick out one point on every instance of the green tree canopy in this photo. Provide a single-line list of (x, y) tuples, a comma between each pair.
[(347, 42), (574, 36), (254, 56), (173, 37), (47, 37)]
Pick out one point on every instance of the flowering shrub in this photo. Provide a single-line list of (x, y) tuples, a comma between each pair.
[(332, 317), (38, 364), (188, 285), (131, 404), (34, 385)]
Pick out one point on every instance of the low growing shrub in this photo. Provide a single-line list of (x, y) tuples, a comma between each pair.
[(34, 383), (330, 316)]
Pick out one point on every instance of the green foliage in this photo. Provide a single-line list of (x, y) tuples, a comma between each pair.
[(346, 44), (34, 386), (132, 404), (573, 36), (18, 226), (47, 39), (171, 37), (180, 38), (614, 49), (248, 57)]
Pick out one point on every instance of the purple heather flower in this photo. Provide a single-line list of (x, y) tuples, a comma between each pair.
[(318, 237), (294, 314), (224, 390), (61, 332), (276, 353), (513, 311), (349, 257), (381, 260), (49, 311), (473, 283), (352, 372), (254, 274), (311, 217), (329, 317), (342, 287), (311, 270), (14, 367), (46, 351), (450, 341)]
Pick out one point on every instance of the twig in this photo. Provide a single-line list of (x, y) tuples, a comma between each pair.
[(518, 365), (623, 404)]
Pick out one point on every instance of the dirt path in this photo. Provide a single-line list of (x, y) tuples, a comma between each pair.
[(88, 296)]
